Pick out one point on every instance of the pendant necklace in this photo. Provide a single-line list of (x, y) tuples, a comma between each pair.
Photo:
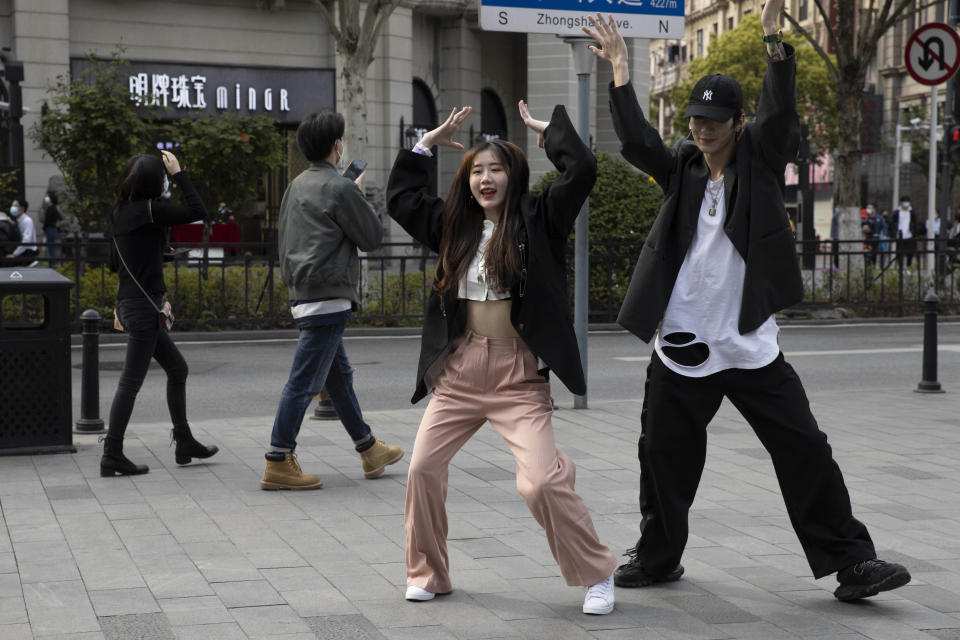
[(714, 196)]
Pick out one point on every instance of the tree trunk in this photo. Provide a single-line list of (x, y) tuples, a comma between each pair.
[(353, 79), (847, 168)]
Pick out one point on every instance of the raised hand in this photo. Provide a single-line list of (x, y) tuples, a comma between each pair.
[(770, 17), (537, 126), (612, 47), (170, 162), (443, 135)]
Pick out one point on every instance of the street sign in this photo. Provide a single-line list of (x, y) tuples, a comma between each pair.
[(932, 54), (634, 18)]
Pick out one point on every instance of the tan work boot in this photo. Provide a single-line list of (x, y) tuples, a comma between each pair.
[(283, 472), (379, 456)]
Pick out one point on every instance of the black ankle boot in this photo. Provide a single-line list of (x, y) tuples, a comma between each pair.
[(187, 447), (114, 463)]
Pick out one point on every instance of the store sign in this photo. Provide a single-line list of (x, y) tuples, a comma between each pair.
[(176, 90)]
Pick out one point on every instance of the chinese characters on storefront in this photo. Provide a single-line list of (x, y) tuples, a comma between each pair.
[(183, 92), (175, 90)]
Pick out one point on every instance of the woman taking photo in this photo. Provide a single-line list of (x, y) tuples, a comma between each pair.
[(140, 221), (497, 321)]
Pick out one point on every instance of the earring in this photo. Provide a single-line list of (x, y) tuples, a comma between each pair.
[(470, 199)]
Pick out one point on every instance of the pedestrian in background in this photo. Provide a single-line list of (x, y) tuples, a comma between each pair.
[(904, 228), (324, 220), (878, 233), (25, 253), (139, 224), (51, 220), (497, 322), (718, 263)]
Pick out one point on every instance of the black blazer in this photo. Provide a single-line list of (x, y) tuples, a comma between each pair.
[(756, 220), (541, 314)]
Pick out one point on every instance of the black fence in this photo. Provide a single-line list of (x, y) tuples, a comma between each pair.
[(237, 285)]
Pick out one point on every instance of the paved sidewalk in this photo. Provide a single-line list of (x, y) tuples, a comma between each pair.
[(200, 552)]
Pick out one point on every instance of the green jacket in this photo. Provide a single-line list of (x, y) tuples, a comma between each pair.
[(324, 220)]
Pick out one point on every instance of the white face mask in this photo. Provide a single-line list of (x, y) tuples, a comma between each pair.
[(46, 199), (339, 156), (14, 211), (166, 186)]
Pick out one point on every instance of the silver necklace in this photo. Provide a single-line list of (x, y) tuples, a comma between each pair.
[(714, 196)]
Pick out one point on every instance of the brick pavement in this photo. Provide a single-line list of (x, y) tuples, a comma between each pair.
[(201, 552)]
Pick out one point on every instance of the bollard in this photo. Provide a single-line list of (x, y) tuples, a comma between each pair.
[(90, 421), (929, 383)]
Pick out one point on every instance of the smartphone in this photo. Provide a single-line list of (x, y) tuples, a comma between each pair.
[(355, 169)]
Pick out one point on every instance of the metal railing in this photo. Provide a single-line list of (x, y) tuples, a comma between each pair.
[(237, 285)]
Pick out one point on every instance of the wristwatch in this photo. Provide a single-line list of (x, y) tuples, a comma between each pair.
[(774, 37)]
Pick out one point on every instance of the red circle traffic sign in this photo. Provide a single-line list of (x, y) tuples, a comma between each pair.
[(932, 53)]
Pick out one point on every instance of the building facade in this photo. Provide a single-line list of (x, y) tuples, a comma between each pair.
[(217, 55)]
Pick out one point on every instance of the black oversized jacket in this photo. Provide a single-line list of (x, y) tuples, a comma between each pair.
[(541, 315), (139, 228), (756, 222)]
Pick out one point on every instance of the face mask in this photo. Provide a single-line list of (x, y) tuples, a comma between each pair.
[(339, 158), (46, 199), (166, 186), (14, 211)]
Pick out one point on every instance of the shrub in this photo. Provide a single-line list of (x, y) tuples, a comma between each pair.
[(395, 295), (623, 205)]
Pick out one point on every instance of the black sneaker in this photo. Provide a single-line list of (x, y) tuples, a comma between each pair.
[(868, 578), (632, 574)]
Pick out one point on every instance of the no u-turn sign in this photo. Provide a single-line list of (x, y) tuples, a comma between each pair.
[(932, 54)]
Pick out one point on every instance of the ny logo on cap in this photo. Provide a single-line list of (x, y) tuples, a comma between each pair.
[(708, 95)]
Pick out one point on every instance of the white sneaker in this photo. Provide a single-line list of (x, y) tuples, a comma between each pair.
[(421, 595), (599, 599)]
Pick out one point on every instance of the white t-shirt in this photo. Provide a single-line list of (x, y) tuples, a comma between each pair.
[(699, 336), (903, 224), (474, 285), (28, 234)]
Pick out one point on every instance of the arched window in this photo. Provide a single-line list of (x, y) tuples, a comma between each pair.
[(424, 119), (493, 119), (424, 107)]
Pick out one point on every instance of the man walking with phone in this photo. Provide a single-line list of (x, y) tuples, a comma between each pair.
[(324, 220)]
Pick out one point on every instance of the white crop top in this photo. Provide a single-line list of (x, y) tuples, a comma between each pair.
[(474, 284)]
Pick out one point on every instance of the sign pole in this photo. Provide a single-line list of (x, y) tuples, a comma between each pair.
[(583, 61), (932, 56), (932, 190)]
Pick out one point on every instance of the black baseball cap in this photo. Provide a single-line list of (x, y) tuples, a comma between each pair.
[(716, 96)]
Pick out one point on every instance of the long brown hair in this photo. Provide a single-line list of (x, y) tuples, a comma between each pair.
[(463, 222)]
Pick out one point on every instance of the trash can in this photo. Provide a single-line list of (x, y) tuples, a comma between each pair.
[(35, 399)]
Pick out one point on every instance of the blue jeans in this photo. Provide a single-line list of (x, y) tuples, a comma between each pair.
[(320, 361), (52, 234)]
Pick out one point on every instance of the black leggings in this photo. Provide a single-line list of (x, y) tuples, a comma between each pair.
[(147, 340)]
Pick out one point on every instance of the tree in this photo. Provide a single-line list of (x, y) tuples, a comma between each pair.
[(227, 154), (356, 40), (91, 130), (856, 47), (738, 53)]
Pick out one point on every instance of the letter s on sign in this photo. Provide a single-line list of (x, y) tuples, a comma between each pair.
[(503, 17)]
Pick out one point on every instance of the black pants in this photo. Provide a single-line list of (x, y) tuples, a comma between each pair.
[(673, 444), (147, 340)]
